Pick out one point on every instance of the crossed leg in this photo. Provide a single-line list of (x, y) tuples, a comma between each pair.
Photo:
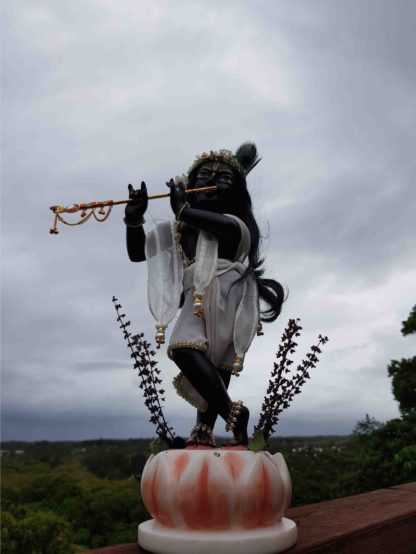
[(211, 385), (210, 416)]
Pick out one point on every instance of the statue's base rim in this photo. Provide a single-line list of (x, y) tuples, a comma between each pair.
[(265, 540)]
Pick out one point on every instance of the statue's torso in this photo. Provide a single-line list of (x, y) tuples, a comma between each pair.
[(189, 238)]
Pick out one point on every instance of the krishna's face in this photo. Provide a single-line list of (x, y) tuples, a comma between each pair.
[(208, 174)]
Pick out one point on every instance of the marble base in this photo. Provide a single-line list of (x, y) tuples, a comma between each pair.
[(265, 540)]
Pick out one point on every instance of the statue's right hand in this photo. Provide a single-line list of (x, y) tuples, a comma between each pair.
[(137, 207)]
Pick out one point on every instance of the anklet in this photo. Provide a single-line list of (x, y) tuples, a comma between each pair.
[(204, 429), (201, 427), (232, 417)]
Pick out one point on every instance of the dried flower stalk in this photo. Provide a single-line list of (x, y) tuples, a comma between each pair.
[(149, 374), (283, 387)]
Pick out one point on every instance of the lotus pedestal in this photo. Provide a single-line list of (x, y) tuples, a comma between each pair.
[(216, 502)]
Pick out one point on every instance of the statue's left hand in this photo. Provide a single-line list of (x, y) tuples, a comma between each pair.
[(177, 195)]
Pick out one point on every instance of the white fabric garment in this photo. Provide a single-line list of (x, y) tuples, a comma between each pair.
[(165, 273), (212, 278)]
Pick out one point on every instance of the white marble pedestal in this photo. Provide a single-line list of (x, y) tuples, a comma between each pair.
[(216, 502)]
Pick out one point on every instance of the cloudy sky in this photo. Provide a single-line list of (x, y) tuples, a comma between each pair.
[(101, 93)]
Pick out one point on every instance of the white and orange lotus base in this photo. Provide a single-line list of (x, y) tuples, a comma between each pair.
[(216, 502)]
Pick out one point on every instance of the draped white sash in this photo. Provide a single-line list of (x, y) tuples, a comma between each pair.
[(167, 278)]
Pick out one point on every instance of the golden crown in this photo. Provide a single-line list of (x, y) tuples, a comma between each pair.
[(225, 156)]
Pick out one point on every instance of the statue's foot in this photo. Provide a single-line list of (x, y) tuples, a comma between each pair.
[(237, 422), (232, 444), (201, 437)]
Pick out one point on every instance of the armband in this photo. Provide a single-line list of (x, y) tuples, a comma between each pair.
[(134, 226)]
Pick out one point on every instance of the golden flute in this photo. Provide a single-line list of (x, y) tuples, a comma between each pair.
[(88, 209)]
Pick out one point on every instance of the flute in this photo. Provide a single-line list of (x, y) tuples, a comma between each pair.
[(88, 209)]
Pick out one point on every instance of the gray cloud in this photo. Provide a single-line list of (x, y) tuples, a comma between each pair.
[(97, 96)]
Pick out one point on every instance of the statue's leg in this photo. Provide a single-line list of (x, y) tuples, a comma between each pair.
[(206, 379), (210, 416)]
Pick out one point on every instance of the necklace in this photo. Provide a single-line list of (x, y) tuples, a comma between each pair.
[(185, 260)]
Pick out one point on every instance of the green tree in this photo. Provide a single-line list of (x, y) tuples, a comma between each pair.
[(406, 460), (367, 426), (38, 532), (388, 453), (403, 372), (409, 325), (111, 464), (98, 511)]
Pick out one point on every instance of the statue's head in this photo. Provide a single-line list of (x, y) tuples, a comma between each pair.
[(226, 170)]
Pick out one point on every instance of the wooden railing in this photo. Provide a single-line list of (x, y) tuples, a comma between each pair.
[(378, 522)]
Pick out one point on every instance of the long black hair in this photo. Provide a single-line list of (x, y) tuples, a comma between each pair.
[(270, 291)]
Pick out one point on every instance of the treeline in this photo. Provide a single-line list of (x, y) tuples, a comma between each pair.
[(65, 497), (120, 459), (65, 509)]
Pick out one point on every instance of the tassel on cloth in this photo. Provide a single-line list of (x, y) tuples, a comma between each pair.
[(160, 335), (237, 366), (259, 329), (198, 304)]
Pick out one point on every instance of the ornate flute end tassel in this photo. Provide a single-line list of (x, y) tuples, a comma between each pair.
[(232, 417), (237, 366), (160, 335), (198, 305), (259, 329), (53, 230)]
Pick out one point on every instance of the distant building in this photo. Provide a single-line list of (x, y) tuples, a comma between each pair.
[(8, 452)]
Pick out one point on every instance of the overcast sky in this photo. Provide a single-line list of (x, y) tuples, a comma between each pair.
[(101, 93)]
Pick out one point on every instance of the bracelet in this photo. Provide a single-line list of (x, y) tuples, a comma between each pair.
[(134, 226), (178, 214)]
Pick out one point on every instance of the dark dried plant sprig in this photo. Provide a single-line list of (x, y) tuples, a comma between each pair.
[(283, 387), (149, 375)]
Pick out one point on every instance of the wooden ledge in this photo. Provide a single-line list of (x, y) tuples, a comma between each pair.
[(379, 522)]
